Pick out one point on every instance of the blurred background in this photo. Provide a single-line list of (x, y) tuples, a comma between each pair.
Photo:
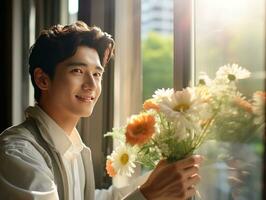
[(159, 44)]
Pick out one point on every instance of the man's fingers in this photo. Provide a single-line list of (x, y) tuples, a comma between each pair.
[(189, 162), (190, 171), (173, 180), (180, 174), (192, 181), (190, 193), (181, 164), (177, 184)]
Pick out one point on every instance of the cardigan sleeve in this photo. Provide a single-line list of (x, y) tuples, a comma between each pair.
[(24, 173)]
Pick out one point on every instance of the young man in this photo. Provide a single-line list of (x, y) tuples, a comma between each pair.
[(44, 157)]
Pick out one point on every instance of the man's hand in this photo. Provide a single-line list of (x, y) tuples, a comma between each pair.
[(173, 180)]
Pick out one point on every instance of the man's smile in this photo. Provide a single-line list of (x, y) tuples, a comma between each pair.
[(85, 98)]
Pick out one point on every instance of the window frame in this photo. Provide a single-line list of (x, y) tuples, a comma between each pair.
[(183, 43)]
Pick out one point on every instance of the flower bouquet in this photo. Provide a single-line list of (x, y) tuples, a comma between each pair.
[(173, 124)]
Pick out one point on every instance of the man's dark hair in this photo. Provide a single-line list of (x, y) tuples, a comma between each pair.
[(58, 43)]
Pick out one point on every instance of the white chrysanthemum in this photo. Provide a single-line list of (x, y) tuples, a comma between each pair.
[(185, 109), (258, 107), (162, 93), (232, 72), (123, 159)]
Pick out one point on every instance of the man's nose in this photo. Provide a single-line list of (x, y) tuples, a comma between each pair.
[(89, 82)]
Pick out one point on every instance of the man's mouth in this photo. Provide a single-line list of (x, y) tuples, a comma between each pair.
[(85, 98)]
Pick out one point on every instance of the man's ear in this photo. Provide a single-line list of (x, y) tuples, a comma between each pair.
[(41, 79)]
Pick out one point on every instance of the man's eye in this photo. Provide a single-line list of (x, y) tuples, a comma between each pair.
[(77, 71), (98, 74)]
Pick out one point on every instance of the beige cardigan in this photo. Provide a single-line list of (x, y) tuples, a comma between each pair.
[(30, 168)]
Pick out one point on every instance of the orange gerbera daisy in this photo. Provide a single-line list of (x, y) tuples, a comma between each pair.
[(140, 129), (150, 104), (109, 168)]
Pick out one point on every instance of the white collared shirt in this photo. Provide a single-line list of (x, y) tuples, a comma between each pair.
[(69, 147)]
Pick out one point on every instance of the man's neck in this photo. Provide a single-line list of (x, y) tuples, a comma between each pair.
[(64, 120)]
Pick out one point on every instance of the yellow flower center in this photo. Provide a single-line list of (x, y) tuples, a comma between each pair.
[(181, 107), (124, 159), (231, 77), (202, 82)]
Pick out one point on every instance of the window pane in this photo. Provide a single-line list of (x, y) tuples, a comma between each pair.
[(157, 45), (73, 6), (230, 32)]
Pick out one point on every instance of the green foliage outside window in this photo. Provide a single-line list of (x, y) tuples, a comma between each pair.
[(157, 62)]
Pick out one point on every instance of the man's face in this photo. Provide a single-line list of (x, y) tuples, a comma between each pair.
[(76, 85)]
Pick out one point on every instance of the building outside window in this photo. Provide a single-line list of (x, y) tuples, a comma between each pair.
[(156, 45)]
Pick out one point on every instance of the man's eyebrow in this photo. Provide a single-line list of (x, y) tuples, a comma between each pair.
[(82, 64), (73, 64)]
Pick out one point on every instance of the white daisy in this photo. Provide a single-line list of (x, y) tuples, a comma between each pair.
[(162, 93), (232, 72), (185, 109), (123, 159)]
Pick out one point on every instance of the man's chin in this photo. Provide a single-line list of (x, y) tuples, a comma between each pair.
[(83, 112), (87, 113)]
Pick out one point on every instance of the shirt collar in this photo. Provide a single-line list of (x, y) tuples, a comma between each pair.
[(53, 133)]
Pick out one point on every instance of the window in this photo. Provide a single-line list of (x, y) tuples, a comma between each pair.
[(200, 36), (73, 6), (156, 45)]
